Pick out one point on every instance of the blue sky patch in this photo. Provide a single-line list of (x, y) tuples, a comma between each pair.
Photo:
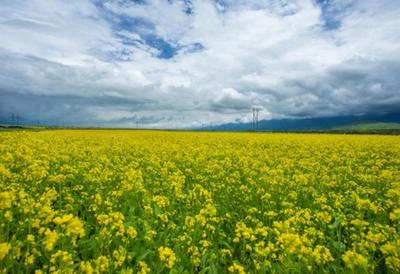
[(331, 13), (166, 50)]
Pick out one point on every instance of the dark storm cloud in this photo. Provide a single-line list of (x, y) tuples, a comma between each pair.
[(354, 87)]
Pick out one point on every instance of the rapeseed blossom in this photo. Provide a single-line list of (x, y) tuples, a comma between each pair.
[(4, 249), (50, 239), (143, 268), (110, 201), (353, 259), (6, 199), (167, 256), (236, 268), (395, 215), (86, 267)]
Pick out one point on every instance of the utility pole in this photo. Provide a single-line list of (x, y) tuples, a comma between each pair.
[(254, 119), (258, 110)]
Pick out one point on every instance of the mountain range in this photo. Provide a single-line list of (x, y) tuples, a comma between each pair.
[(309, 124)]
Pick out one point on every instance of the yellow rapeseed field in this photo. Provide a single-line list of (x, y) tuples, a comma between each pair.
[(108, 201)]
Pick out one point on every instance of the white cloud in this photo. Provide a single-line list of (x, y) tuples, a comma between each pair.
[(276, 54)]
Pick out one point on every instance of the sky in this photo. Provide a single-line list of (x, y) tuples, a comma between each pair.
[(187, 63)]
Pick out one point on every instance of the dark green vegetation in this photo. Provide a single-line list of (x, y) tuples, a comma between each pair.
[(371, 126)]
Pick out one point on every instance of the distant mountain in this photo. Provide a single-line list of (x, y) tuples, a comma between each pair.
[(309, 124)]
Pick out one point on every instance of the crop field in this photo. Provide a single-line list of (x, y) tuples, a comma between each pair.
[(110, 201)]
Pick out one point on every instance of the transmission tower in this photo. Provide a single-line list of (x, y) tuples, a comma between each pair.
[(255, 118)]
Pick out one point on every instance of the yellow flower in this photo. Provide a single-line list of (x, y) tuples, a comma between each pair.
[(190, 221), (290, 242), (4, 249), (102, 264), (388, 248), (8, 215), (263, 250), (161, 201), (393, 263), (75, 227), (324, 217), (132, 233), (143, 268), (6, 199), (353, 259), (167, 256), (86, 267), (4, 171), (242, 231), (30, 260), (62, 258), (395, 215), (148, 209), (262, 231), (119, 256), (236, 268), (98, 198), (126, 271), (50, 240), (62, 220), (322, 255), (30, 238)]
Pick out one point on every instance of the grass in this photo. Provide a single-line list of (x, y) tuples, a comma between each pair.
[(370, 126)]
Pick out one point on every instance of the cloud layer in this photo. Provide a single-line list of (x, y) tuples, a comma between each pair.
[(161, 63)]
